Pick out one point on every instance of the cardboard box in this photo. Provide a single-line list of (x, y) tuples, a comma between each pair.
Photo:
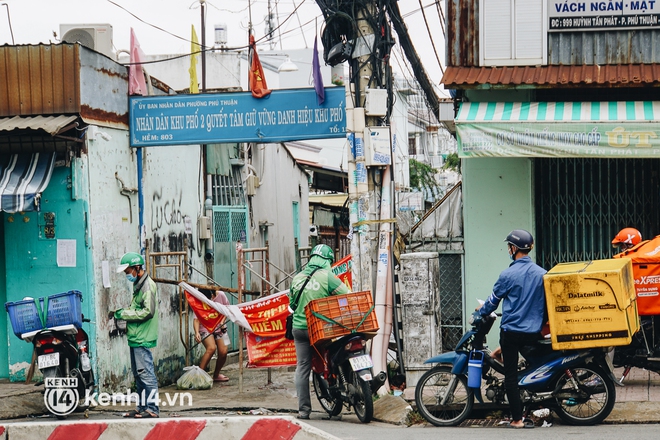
[(591, 304)]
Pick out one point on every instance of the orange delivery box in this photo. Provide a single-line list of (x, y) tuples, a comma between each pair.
[(646, 271)]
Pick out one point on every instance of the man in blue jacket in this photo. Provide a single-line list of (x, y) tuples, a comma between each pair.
[(520, 287)]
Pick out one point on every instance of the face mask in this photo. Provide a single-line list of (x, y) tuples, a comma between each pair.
[(130, 277), (511, 257)]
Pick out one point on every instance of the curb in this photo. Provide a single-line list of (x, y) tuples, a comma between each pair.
[(230, 428)]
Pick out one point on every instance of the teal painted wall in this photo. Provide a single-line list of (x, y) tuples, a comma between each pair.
[(5, 327), (497, 198), (31, 259)]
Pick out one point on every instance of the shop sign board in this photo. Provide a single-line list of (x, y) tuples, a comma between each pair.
[(569, 139), (569, 16)]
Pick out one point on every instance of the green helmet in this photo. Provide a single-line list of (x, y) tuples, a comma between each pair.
[(130, 259), (324, 251)]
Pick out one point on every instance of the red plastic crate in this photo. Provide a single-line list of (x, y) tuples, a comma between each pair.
[(347, 310)]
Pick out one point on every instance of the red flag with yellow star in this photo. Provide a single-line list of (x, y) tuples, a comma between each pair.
[(256, 76)]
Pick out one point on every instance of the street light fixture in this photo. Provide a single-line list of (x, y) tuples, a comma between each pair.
[(287, 66)]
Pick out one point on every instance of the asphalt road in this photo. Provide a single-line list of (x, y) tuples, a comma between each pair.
[(349, 428)]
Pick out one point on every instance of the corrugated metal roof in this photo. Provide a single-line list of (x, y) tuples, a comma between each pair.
[(40, 79), (550, 76), (50, 124)]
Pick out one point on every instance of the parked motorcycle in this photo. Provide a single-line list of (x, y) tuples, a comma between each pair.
[(642, 352), (63, 352), (343, 375), (577, 384)]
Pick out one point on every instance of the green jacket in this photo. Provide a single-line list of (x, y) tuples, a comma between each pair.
[(323, 283), (142, 315)]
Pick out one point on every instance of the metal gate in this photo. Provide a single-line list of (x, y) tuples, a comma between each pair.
[(450, 281), (229, 226), (582, 203)]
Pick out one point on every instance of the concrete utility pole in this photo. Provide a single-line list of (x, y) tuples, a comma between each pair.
[(361, 190), (370, 189)]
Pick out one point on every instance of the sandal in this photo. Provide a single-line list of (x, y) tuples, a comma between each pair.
[(221, 378), (132, 413), (146, 414)]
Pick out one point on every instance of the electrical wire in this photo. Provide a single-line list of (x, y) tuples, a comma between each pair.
[(189, 41), (428, 30)]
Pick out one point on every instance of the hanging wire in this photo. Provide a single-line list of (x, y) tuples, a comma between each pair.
[(428, 30), (11, 29)]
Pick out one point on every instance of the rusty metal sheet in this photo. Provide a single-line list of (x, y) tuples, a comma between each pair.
[(462, 32), (39, 79), (629, 75)]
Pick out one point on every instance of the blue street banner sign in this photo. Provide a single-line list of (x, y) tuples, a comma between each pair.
[(285, 115)]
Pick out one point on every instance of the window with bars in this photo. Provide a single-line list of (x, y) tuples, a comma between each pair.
[(412, 146), (228, 190)]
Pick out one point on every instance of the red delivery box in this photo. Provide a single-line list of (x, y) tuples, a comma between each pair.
[(646, 270)]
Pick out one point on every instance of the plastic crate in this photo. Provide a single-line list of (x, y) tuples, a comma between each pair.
[(63, 309), (24, 316), (354, 311)]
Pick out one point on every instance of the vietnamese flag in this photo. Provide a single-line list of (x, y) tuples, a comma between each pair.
[(256, 78)]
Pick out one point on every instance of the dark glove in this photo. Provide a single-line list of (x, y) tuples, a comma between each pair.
[(111, 314)]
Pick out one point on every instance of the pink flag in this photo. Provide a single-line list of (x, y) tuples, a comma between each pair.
[(136, 83)]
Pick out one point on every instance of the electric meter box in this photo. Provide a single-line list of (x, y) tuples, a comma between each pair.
[(375, 102), (377, 150)]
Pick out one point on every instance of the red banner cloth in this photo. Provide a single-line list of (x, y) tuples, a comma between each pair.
[(267, 346), (207, 316)]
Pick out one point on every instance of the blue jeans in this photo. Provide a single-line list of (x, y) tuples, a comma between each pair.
[(142, 366), (303, 370)]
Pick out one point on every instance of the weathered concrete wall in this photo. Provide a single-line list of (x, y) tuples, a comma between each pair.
[(497, 198), (171, 186), (282, 184)]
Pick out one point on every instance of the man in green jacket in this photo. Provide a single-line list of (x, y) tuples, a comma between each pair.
[(142, 332), (322, 282)]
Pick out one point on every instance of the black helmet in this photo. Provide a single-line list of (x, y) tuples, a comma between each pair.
[(521, 239)]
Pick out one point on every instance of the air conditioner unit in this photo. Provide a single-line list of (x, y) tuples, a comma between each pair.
[(97, 37)]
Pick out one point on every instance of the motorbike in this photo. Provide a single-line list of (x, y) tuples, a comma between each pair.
[(63, 352), (642, 352), (342, 374), (579, 385)]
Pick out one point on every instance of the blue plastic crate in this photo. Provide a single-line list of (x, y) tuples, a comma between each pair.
[(63, 309), (24, 316)]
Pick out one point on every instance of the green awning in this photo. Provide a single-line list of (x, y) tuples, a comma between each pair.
[(559, 129)]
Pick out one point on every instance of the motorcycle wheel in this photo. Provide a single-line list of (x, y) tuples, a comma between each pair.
[(433, 386), (331, 405), (363, 403), (589, 406)]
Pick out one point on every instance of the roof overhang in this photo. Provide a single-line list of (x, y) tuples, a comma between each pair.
[(32, 134), (627, 75), (559, 129), (325, 178)]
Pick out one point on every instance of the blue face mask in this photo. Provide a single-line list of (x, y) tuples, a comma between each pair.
[(511, 257), (130, 277)]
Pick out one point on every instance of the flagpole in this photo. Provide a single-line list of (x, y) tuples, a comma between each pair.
[(203, 9)]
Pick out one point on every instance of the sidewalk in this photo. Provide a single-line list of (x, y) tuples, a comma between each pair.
[(637, 402)]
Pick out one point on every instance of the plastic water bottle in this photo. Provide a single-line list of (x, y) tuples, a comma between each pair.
[(84, 361)]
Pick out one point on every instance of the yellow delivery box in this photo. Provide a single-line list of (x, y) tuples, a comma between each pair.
[(591, 304)]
